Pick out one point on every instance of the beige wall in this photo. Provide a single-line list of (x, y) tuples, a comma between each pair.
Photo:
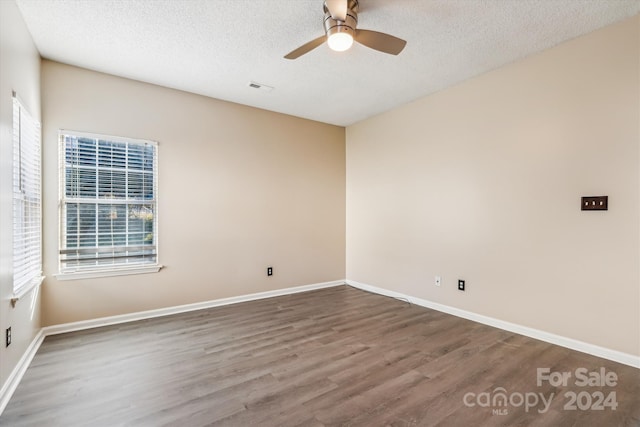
[(20, 72), (240, 189), (483, 182)]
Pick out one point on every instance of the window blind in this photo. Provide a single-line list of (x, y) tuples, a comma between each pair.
[(109, 190), (27, 222)]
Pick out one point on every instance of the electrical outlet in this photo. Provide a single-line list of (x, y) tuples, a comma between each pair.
[(438, 281), (8, 337), (269, 271), (461, 285)]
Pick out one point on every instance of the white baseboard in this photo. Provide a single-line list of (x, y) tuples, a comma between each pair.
[(130, 317), (16, 375), (592, 349)]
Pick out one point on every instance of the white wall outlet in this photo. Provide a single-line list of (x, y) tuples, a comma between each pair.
[(438, 281)]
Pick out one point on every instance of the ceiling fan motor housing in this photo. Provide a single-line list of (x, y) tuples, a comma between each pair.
[(333, 26)]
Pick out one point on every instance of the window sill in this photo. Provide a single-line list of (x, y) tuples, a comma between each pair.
[(94, 274), (25, 290)]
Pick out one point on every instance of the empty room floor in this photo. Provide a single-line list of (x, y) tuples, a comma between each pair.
[(336, 356)]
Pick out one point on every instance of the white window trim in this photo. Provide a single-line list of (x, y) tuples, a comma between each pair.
[(26, 289), (112, 271)]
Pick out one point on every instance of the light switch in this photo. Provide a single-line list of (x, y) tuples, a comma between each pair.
[(595, 203)]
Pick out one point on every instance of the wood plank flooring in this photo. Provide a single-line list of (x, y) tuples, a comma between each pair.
[(337, 356)]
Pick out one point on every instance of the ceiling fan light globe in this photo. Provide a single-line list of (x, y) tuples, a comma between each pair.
[(340, 41)]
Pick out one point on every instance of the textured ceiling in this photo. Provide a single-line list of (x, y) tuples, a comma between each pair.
[(216, 47)]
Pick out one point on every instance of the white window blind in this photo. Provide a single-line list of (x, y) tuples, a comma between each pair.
[(108, 208), (27, 222)]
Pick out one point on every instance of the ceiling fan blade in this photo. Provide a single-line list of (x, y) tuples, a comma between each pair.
[(380, 41), (337, 9), (305, 48)]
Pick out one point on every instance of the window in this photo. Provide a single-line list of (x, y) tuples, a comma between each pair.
[(108, 205), (27, 223)]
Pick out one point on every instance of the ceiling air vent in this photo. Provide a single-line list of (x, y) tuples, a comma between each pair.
[(260, 86)]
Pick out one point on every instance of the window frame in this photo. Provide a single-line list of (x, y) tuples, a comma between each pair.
[(116, 269), (27, 165)]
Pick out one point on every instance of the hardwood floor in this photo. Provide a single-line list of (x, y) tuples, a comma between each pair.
[(337, 356)]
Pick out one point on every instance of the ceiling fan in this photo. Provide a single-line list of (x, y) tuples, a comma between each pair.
[(340, 21)]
